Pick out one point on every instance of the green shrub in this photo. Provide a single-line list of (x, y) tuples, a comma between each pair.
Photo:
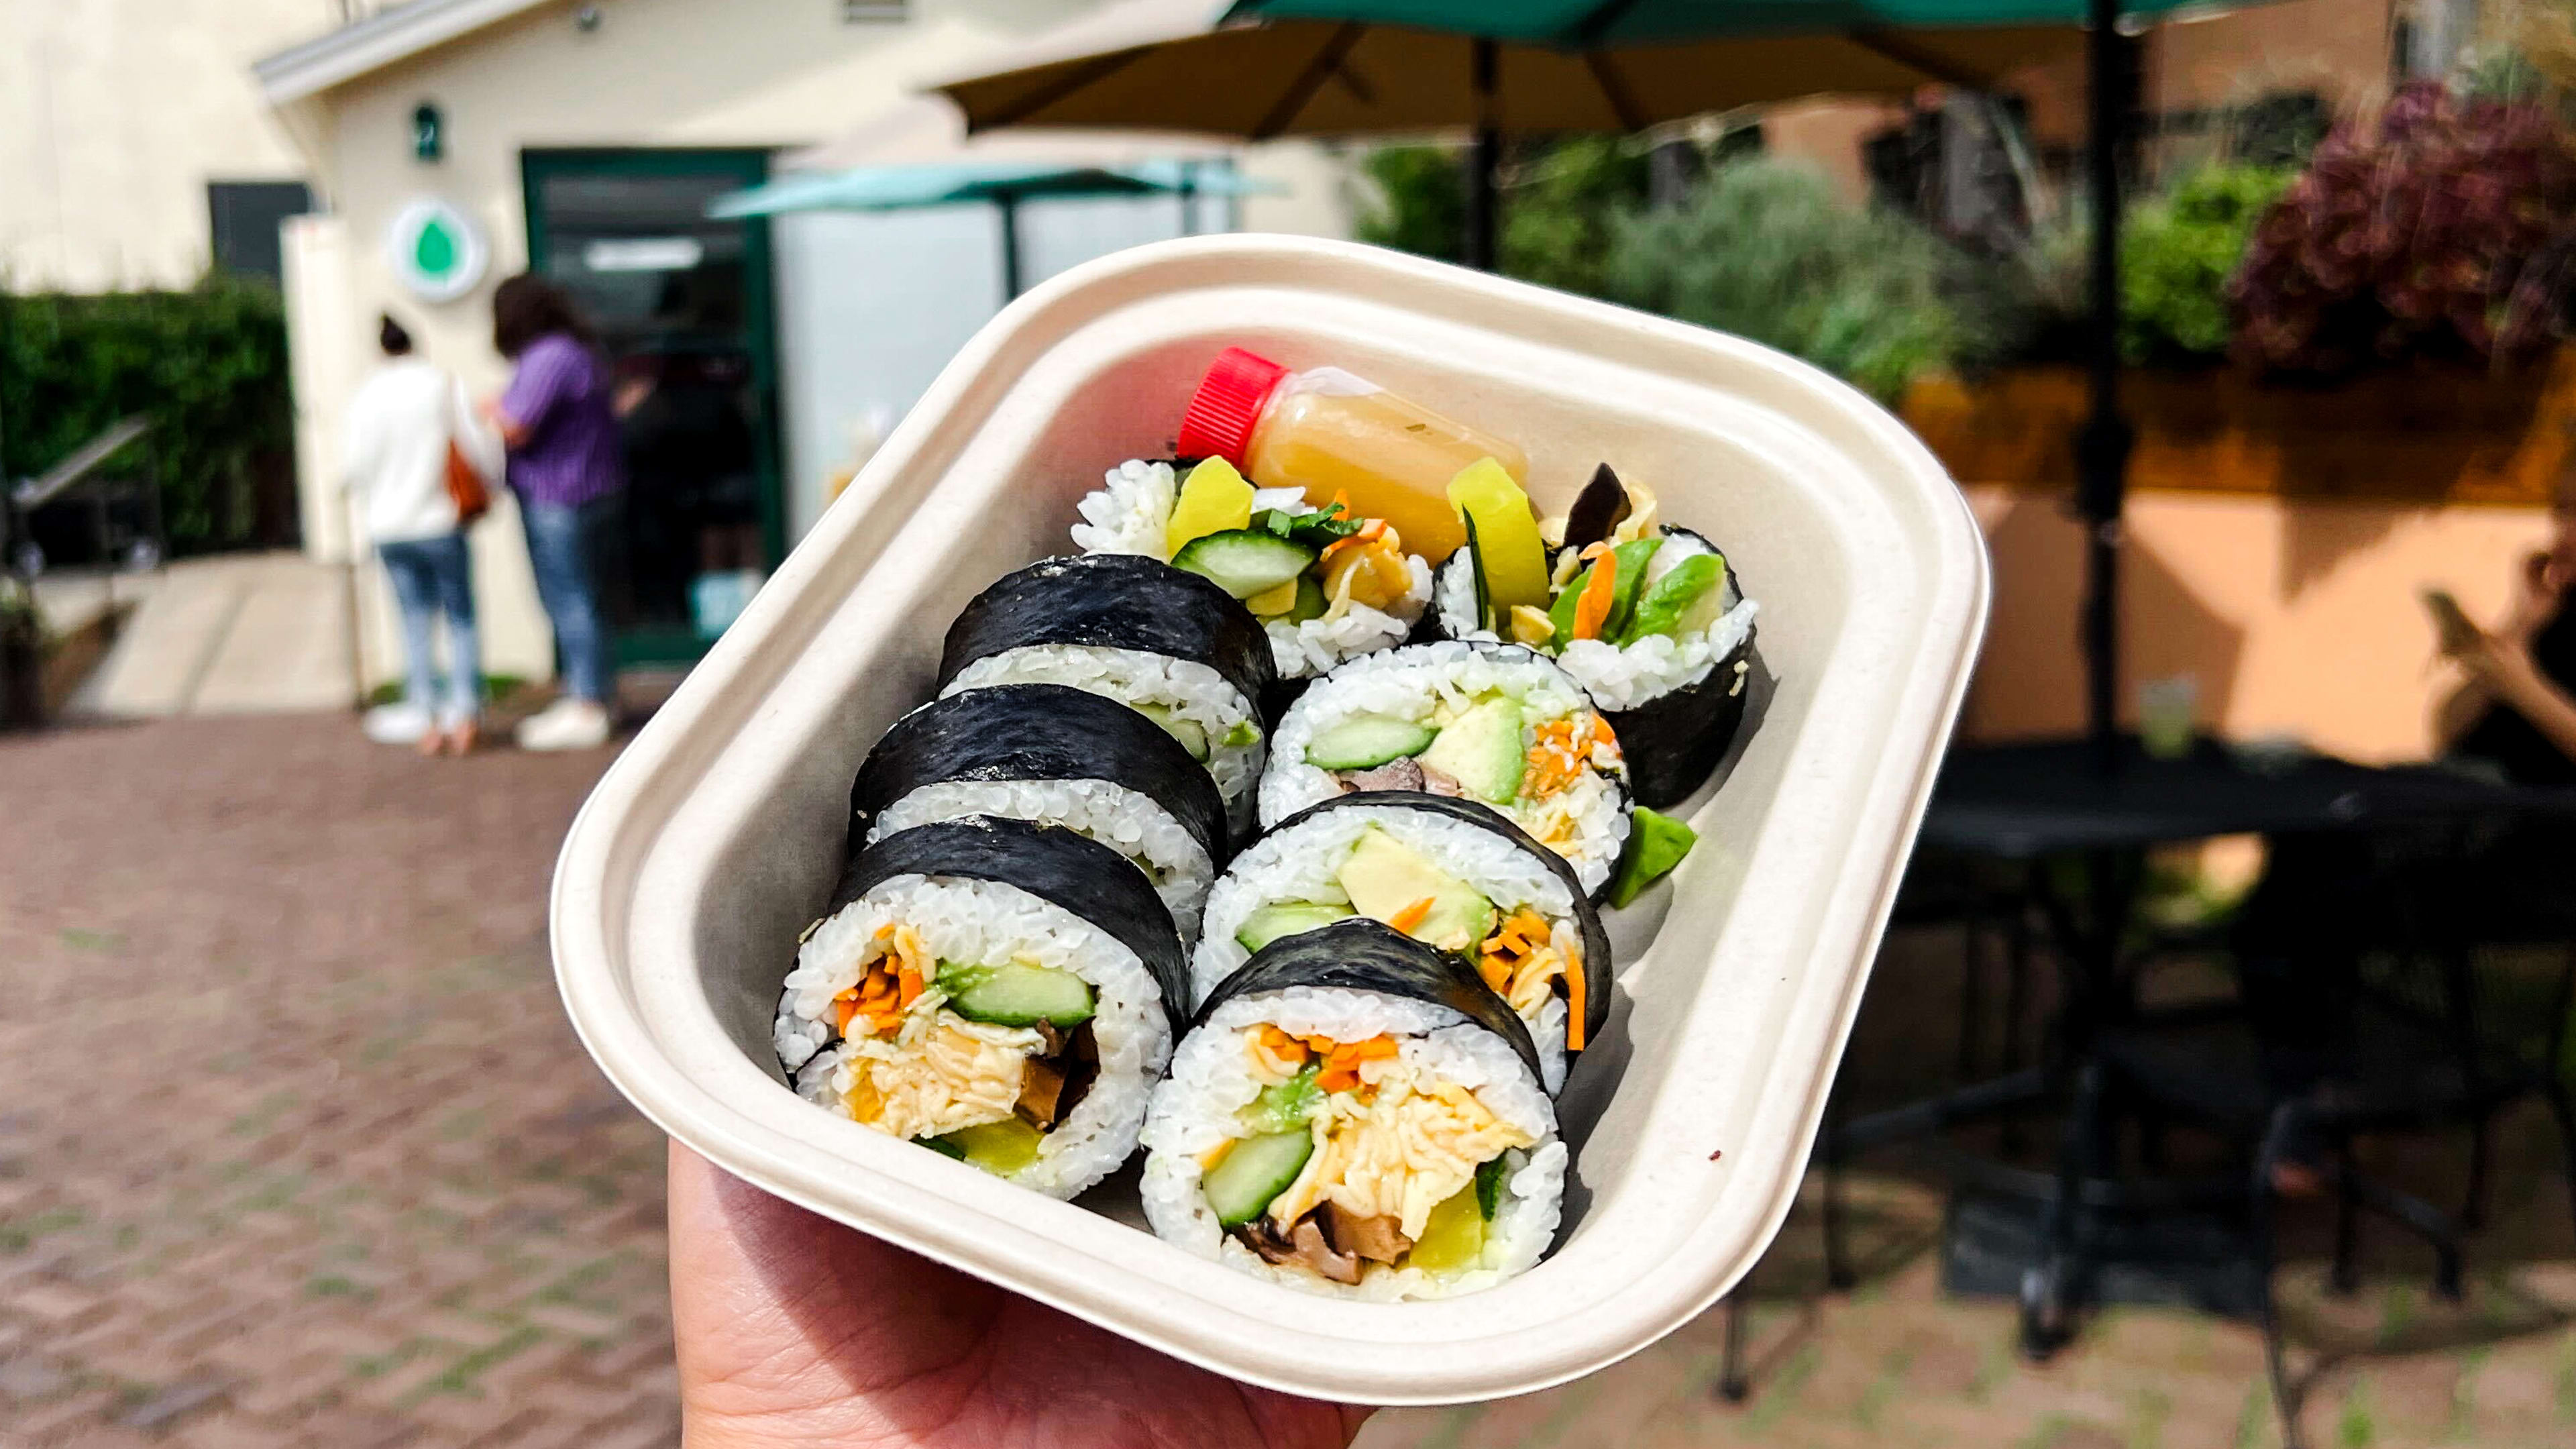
[(2177, 252), (1764, 249), (208, 365), (1557, 204), (1421, 201)]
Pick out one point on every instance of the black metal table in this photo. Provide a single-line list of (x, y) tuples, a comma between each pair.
[(2032, 804)]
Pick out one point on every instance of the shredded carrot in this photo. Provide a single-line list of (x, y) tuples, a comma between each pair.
[(1282, 1046), (1370, 532), (1497, 971), (1342, 1064), (844, 1006), (1593, 609), (1574, 1003), (1412, 915), (907, 987)]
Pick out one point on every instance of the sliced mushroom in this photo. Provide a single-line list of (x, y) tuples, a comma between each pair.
[(1599, 508), (1041, 1091), (1318, 1255), (1440, 784), (1380, 1239), (1393, 775)]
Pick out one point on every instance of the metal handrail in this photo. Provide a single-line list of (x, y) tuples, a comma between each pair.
[(36, 492)]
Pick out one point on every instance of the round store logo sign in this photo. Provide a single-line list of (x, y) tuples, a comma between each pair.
[(436, 252)]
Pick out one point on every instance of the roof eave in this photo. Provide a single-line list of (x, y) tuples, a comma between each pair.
[(383, 39)]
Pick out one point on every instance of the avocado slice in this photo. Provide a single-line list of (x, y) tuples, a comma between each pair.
[(1680, 601), (1482, 751), (1266, 924), (1384, 876), (1630, 560), (1656, 843)]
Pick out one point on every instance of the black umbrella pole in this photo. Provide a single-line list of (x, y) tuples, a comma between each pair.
[(1007, 210), (2102, 447), (1484, 161)]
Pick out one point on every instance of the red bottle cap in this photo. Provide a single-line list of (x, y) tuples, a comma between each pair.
[(1221, 414)]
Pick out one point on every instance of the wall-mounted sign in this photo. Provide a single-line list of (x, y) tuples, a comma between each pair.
[(436, 252)]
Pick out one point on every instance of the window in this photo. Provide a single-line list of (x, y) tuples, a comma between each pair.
[(860, 12), (243, 218)]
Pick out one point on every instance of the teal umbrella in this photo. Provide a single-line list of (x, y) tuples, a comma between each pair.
[(1000, 183), (1265, 68)]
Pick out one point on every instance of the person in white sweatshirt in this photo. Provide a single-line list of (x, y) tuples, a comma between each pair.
[(399, 427)]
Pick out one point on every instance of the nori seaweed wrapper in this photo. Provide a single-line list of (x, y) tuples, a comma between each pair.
[(1038, 732), (1674, 740), (1054, 864), (1115, 601), (1598, 970), (1362, 955)]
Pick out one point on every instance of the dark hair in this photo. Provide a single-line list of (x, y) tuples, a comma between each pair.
[(527, 307), (391, 337)]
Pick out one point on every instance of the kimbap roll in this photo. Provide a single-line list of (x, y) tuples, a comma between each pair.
[(1326, 584), (1494, 723), (1000, 991), (1647, 616), (1060, 756), (1354, 1114), (1449, 873), (1168, 644)]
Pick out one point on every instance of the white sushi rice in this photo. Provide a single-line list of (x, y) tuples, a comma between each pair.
[(1186, 688), (1299, 865), (1621, 678), (1587, 822), (1132, 511), (983, 922), (1212, 1080), (1125, 820)]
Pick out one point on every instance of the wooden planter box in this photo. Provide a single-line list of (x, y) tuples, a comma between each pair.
[(2426, 435)]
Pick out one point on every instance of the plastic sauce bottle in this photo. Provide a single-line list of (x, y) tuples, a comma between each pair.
[(1326, 431)]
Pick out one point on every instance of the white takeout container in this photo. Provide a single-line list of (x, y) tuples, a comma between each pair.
[(717, 836)]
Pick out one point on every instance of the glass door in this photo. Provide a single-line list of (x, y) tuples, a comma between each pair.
[(683, 309)]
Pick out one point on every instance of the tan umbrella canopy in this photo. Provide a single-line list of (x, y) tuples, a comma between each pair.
[(920, 130), (1159, 63)]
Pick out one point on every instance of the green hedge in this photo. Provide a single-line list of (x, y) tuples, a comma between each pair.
[(207, 364)]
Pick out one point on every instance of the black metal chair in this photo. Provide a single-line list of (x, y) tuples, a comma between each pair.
[(2419, 1049)]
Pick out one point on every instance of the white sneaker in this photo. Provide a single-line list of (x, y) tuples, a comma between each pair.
[(566, 724), (396, 724)]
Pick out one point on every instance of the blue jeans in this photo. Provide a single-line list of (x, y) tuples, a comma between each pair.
[(565, 546), (432, 576)]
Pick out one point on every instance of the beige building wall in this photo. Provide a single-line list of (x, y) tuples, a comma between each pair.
[(2296, 618), (652, 73), (114, 114)]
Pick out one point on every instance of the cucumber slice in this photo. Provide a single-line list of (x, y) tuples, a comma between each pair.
[(1311, 602), (1489, 1185), (1192, 737), (1245, 561), (1268, 923), (1000, 1148), (1366, 740), (1257, 1170), (1016, 994)]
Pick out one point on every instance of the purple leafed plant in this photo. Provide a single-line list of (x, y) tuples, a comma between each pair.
[(2444, 227)]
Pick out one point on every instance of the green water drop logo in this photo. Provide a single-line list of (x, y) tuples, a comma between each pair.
[(434, 251)]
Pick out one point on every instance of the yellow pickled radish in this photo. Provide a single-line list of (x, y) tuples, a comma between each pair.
[(1453, 1237), (1271, 602), (1508, 546), (1213, 499)]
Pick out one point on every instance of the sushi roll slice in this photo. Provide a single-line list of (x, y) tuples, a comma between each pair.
[(1326, 584), (1354, 1114), (1168, 644), (1060, 756), (1000, 991), (1664, 643), (1449, 873), (1495, 723)]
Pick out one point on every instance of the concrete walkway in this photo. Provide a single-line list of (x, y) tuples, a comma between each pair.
[(232, 634)]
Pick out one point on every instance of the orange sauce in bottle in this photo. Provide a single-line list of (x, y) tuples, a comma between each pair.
[(1328, 432)]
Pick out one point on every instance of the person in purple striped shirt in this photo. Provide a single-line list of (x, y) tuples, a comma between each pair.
[(566, 468)]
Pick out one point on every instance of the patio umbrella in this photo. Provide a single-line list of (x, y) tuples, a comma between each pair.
[(1346, 67), (1001, 183)]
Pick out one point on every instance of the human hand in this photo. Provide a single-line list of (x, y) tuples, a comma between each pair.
[(2539, 589), (795, 1331), (2504, 666)]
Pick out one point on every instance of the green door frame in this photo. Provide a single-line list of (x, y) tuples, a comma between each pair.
[(743, 167)]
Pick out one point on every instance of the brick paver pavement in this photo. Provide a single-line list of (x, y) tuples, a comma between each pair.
[(295, 1145), (296, 1150)]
